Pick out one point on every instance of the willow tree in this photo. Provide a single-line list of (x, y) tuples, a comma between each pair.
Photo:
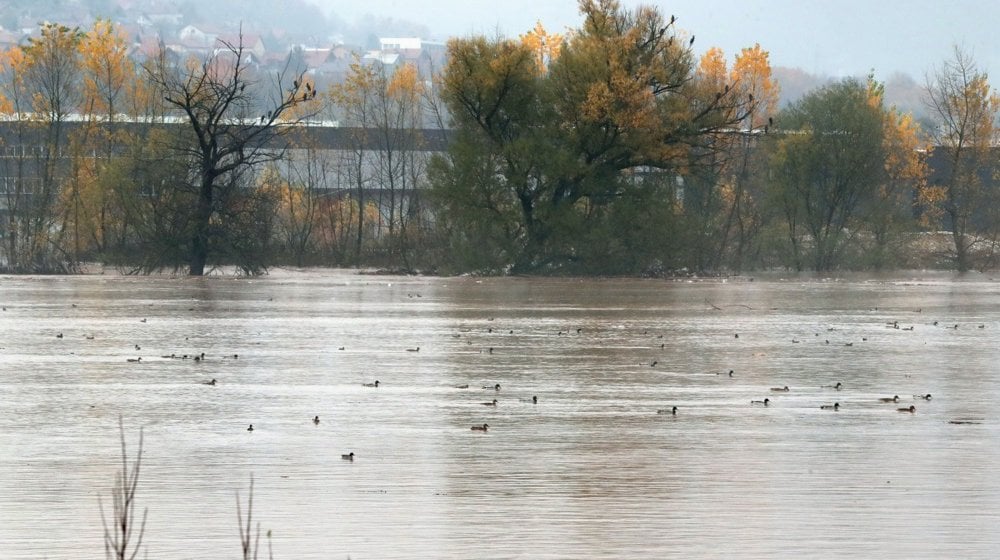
[(569, 164), (826, 165), (965, 107), (230, 136)]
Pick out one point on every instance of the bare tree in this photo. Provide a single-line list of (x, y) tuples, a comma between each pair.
[(120, 530), (232, 134)]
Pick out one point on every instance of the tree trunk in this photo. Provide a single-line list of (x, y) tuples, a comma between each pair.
[(961, 249), (199, 241)]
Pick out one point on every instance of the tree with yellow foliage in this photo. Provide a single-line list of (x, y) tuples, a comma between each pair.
[(751, 79), (965, 107), (889, 211), (15, 104), (106, 72), (385, 105), (44, 91), (721, 202), (552, 170), (545, 45)]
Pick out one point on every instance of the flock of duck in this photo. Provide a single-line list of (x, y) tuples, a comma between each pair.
[(839, 386), (475, 428), (672, 410), (377, 383), (835, 406)]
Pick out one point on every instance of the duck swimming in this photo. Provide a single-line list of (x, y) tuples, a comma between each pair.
[(926, 397), (672, 411), (316, 420), (780, 389), (348, 456), (250, 429), (482, 428), (494, 387), (494, 403), (764, 402), (834, 406), (892, 399), (911, 408), (376, 384)]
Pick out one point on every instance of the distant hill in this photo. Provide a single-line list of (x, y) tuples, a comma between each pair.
[(901, 90)]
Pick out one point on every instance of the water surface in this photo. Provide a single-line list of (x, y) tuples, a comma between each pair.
[(591, 471)]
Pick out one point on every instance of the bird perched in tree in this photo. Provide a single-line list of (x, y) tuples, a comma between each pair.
[(691, 42)]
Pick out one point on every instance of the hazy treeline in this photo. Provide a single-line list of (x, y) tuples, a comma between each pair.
[(613, 150)]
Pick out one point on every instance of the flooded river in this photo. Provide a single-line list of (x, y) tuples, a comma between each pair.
[(589, 471)]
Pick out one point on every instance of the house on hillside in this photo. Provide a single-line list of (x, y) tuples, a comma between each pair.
[(253, 44), (196, 35), (388, 60), (427, 56), (327, 65)]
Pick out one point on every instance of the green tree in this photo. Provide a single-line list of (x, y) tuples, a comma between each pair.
[(827, 164)]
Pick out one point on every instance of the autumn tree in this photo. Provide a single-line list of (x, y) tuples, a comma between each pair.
[(15, 103), (721, 205), (744, 215), (298, 183), (543, 44), (965, 107), (889, 212), (43, 91), (565, 168), (702, 209), (356, 98), (826, 165), (106, 73), (228, 140)]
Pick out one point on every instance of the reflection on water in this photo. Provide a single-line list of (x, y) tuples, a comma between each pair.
[(590, 471)]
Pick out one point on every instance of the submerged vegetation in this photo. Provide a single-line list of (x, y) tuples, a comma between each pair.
[(614, 149), (122, 536)]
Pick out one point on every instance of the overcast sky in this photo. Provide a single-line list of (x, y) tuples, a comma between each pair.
[(831, 37)]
